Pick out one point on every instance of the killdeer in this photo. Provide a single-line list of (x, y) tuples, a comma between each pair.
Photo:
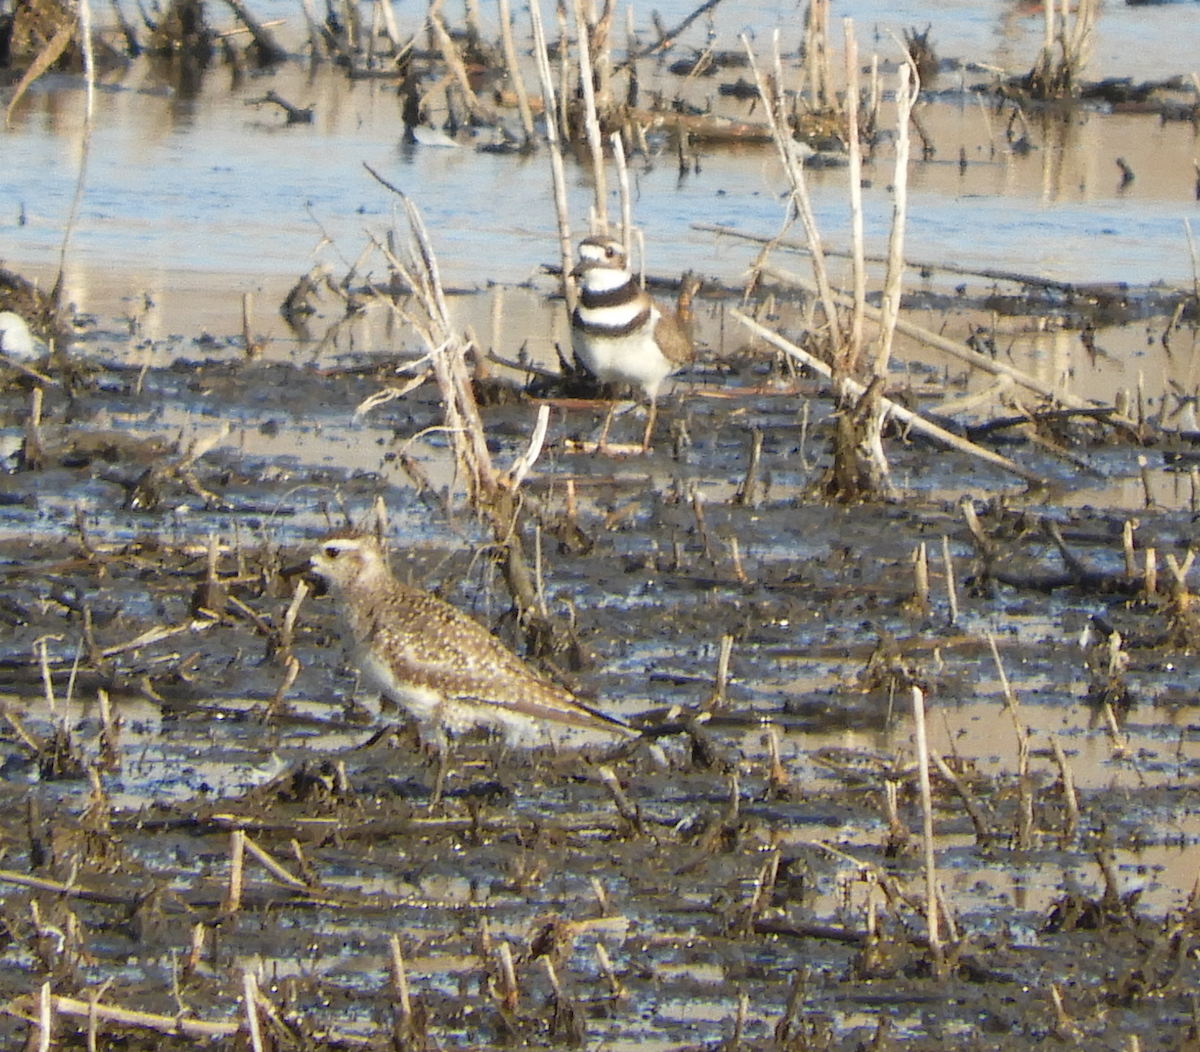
[(444, 668), (619, 333)]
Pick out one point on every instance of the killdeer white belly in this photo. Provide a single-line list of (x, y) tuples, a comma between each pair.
[(448, 671), (618, 332)]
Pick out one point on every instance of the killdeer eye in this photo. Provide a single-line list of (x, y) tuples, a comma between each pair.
[(332, 552), (610, 251)]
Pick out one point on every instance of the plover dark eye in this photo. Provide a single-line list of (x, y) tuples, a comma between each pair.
[(332, 552)]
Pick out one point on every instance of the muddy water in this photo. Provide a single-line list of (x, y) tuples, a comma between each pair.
[(218, 183), (715, 883)]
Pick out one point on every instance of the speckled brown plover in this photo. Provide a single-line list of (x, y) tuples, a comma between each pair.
[(440, 665), (618, 331)]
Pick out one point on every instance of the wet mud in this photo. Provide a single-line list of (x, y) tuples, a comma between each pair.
[(748, 874), (209, 834)]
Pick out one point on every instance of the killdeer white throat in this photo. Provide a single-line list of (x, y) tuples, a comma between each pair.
[(440, 665), (618, 331)]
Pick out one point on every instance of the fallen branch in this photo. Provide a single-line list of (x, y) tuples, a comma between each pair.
[(269, 52), (907, 416), (68, 891), (668, 38), (923, 265), (25, 1007), (957, 350)]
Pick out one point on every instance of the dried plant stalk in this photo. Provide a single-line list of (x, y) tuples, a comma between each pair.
[(514, 69), (785, 146), (447, 352), (893, 285), (858, 266), (551, 108), (931, 883), (591, 121)]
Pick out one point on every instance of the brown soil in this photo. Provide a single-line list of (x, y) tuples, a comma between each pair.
[(739, 901)]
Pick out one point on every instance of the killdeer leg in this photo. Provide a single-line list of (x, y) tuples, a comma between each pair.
[(602, 443), (651, 419)]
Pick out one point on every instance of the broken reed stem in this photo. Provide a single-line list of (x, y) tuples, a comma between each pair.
[(514, 68), (615, 990), (893, 284), (250, 1002), (447, 352), (1024, 787), (195, 950), (764, 887), (931, 892), (34, 454), (85, 144), (777, 776), (458, 69), (625, 809), (1128, 549), (958, 350), (110, 752), (951, 585), (601, 895), (747, 494), (697, 502), (921, 578), (1070, 796), (718, 696), (983, 830), (25, 1007), (858, 265), (237, 861), (618, 149), (43, 656), (591, 122), (45, 1018), (400, 980), (251, 348), (510, 992), (1144, 473), (785, 145), (270, 865), (524, 463), (388, 16), (558, 176), (1187, 229), (552, 975), (287, 631)]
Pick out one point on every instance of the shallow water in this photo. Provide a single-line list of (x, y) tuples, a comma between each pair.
[(214, 184)]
